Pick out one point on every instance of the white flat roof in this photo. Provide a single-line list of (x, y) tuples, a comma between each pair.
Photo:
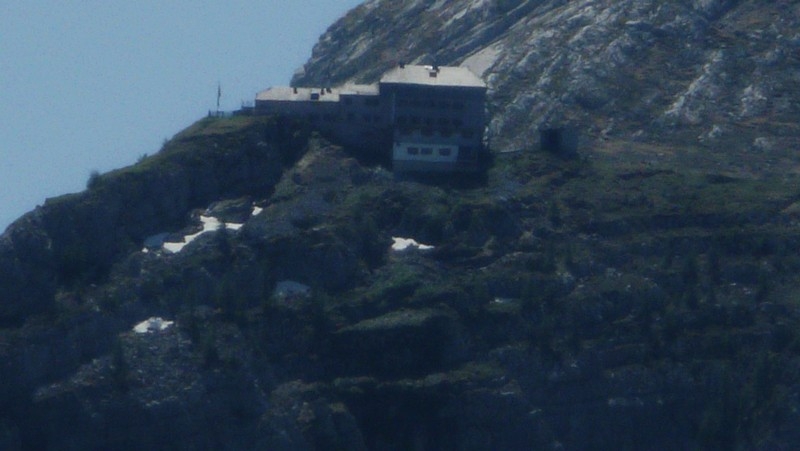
[(430, 76), (363, 90), (408, 74), (289, 94)]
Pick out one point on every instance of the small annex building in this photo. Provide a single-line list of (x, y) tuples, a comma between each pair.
[(428, 118)]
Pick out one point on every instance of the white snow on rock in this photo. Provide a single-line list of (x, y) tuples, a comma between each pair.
[(233, 226), (290, 288), (503, 301), (210, 224), (154, 324), (402, 244), (257, 211)]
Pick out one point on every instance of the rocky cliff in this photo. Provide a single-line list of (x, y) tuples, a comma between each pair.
[(709, 73), (254, 286)]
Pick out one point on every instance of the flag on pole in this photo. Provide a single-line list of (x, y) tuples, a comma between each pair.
[(219, 93)]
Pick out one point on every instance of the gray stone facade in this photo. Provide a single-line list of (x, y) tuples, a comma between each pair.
[(429, 119)]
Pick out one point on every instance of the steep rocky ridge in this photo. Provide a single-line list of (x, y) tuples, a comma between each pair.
[(576, 303), (78, 236), (714, 73), (636, 297)]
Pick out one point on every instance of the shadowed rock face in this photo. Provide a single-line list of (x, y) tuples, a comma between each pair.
[(718, 72), (75, 238)]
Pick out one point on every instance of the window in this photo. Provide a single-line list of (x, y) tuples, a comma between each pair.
[(445, 151), (371, 101), (367, 118), (458, 122), (351, 117), (427, 151), (443, 121), (314, 96), (401, 120), (413, 150), (348, 101), (467, 133), (458, 105), (415, 120)]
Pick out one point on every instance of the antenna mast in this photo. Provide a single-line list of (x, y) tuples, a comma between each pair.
[(219, 94)]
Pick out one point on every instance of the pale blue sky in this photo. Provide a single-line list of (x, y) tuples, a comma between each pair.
[(93, 84)]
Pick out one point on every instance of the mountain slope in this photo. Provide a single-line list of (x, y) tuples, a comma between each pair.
[(590, 304), (717, 73), (79, 236), (640, 296)]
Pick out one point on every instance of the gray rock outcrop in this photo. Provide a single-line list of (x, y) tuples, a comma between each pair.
[(645, 70)]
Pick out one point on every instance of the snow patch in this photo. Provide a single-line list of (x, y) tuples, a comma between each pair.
[(210, 224), (256, 211), (291, 289), (402, 244), (503, 301), (154, 324)]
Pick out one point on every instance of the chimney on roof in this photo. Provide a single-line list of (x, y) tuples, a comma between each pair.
[(402, 65), (295, 89)]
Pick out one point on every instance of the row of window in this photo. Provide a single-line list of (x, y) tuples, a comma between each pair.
[(405, 126), (313, 117), (351, 117), (429, 121), (374, 101), (366, 118), (368, 101), (445, 132), (430, 103), (443, 151)]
